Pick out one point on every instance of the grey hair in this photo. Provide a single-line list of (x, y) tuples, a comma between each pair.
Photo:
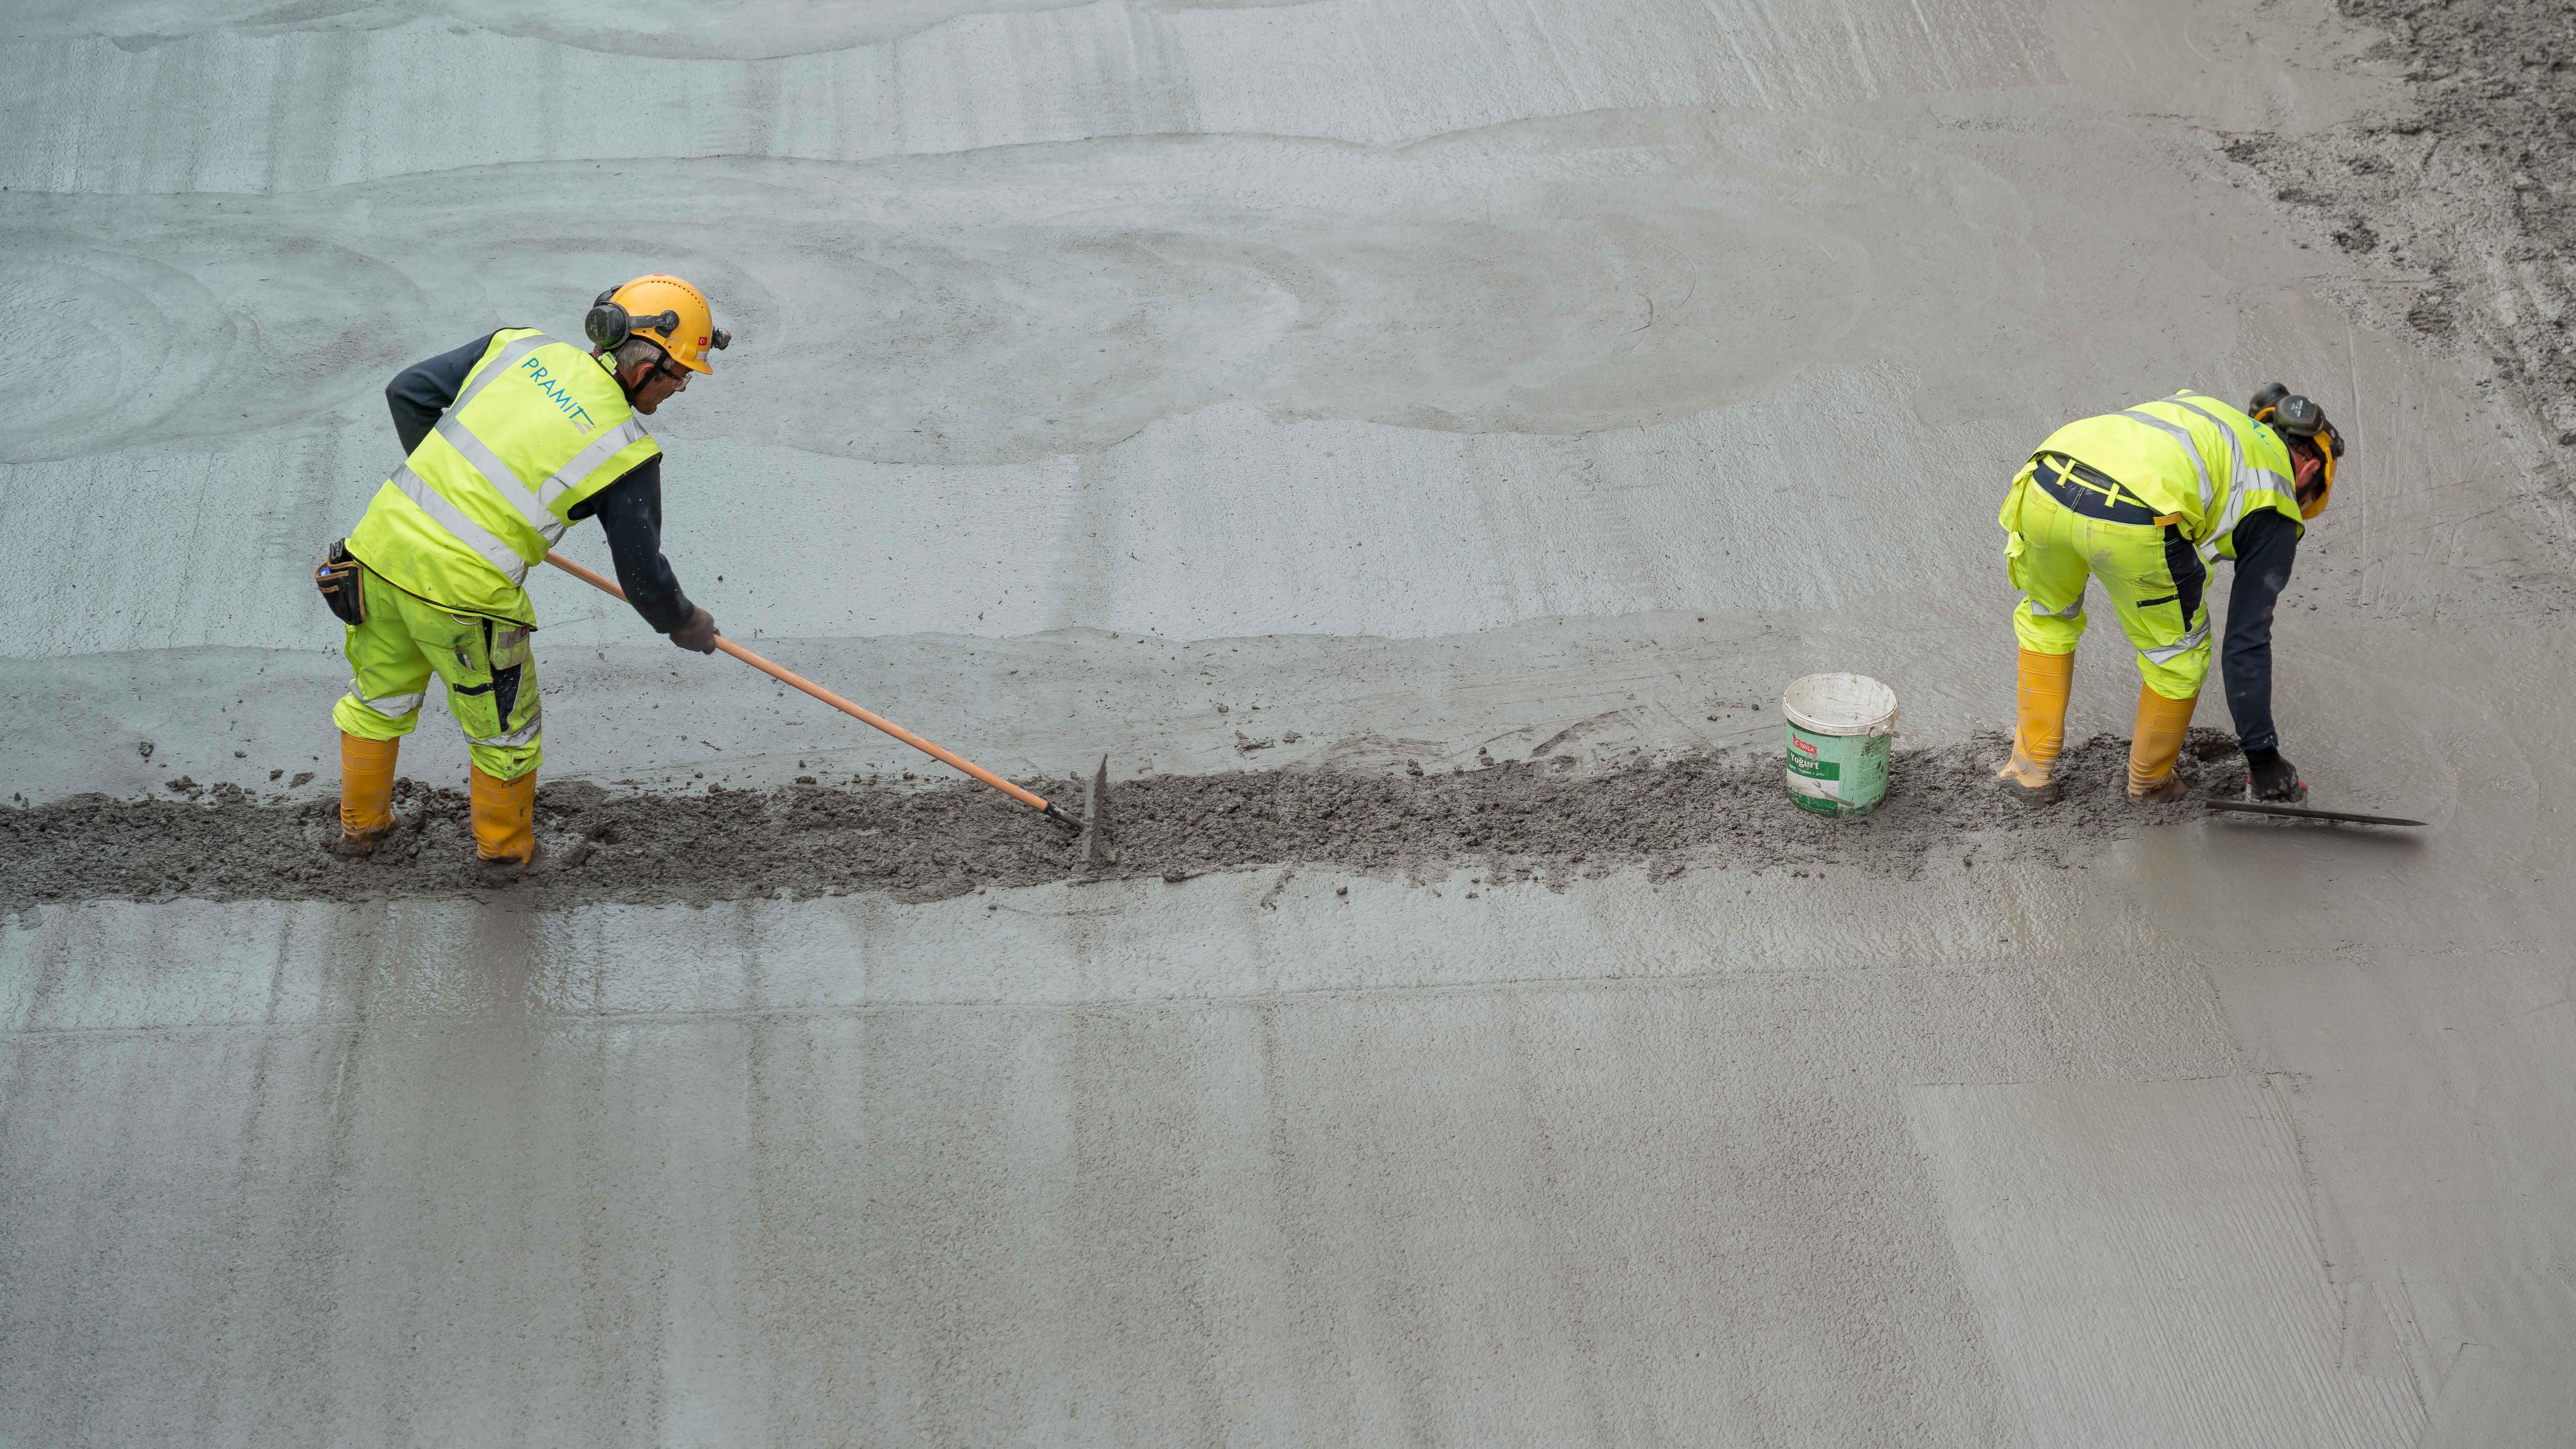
[(637, 351)]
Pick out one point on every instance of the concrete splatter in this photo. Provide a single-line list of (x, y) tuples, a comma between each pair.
[(2463, 202)]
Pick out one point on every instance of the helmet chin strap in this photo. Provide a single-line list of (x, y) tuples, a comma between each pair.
[(631, 392), (609, 326)]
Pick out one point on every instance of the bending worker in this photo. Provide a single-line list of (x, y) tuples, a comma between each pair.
[(2141, 498), (510, 440)]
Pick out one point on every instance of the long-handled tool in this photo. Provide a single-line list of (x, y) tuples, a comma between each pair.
[(2301, 812), (1033, 801)]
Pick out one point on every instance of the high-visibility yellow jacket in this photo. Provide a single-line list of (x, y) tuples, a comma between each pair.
[(538, 426), (2193, 460)]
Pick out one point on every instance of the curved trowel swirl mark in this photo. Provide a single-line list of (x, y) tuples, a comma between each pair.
[(1582, 729)]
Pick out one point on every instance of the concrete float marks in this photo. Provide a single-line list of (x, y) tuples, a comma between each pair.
[(1485, 316), (1221, 1160)]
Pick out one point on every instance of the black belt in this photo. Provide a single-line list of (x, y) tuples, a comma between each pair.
[(2090, 491)]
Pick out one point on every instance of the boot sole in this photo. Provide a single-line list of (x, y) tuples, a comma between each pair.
[(499, 867)]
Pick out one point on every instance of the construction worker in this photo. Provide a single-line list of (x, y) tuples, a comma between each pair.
[(509, 440), (2141, 499)]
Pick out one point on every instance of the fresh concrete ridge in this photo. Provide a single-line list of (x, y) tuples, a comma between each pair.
[(1273, 398), (1518, 819)]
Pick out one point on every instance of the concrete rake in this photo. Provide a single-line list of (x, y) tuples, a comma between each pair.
[(1093, 848)]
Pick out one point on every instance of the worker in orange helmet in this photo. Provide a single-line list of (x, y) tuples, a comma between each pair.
[(509, 441)]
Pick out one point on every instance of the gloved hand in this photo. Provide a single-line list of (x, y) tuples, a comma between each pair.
[(699, 633), (2269, 777)]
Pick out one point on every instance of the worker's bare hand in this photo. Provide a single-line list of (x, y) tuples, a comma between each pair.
[(699, 633)]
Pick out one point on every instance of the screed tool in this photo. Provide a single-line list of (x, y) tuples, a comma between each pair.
[(2301, 812), (1025, 797)]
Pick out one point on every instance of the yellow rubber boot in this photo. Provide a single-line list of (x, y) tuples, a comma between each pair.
[(2039, 736), (2156, 745), (505, 818), (366, 793)]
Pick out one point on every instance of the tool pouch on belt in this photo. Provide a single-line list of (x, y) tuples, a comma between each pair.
[(2010, 517), (340, 578)]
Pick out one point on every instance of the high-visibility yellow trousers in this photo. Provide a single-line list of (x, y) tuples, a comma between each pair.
[(490, 673), (2155, 578)]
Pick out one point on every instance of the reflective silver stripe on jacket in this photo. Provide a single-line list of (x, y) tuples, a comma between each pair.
[(2168, 653), (2069, 612), (393, 706), (519, 736), (479, 455), (2244, 477), (2236, 474), (508, 359), (602, 448), (535, 507), (469, 533), (2190, 448), (538, 507)]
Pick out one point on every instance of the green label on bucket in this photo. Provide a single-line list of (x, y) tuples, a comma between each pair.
[(1837, 774)]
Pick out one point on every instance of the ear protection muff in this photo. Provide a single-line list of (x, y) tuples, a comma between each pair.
[(609, 325), (2301, 418)]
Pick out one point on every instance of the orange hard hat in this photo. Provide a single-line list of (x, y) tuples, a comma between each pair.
[(664, 311)]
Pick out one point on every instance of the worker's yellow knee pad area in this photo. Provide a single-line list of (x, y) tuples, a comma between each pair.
[(486, 669), (2063, 555)]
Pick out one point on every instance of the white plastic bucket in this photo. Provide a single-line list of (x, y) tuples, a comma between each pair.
[(1841, 727)]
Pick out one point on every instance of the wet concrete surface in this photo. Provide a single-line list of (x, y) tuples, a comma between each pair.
[(1270, 398)]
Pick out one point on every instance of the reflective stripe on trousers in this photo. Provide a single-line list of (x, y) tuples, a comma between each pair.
[(536, 718), (395, 706), (2168, 653), (2069, 612)]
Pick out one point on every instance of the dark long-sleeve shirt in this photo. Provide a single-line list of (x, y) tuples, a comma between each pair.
[(2266, 545), (629, 510), (420, 393)]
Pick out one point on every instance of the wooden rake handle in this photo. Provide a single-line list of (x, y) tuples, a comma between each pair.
[(866, 717)]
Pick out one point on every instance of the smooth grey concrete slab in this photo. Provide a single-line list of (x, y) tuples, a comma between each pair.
[(1413, 378)]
